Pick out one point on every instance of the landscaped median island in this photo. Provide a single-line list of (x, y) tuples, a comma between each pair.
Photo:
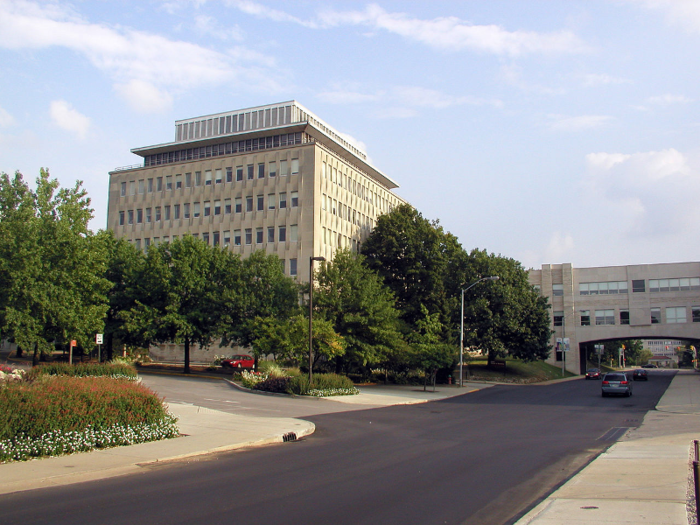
[(61, 409), (272, 378)]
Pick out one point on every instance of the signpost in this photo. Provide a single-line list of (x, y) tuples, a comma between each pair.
[(98, 342), (70, 352)]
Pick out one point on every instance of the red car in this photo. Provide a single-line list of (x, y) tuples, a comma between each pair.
[(592, 373), (239, 361)]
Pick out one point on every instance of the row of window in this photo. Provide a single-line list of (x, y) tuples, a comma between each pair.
[(227, 148), (674, 315), (345, 212), (280, 233), (195, 210), (346, 181), (211, 177), (638, 285)]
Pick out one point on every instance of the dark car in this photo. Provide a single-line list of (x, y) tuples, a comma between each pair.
[(239, 361), (616, 384), (593, 373), (650, 365), (640, 375)]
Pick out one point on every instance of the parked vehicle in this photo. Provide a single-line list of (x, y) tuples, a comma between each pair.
[(593, 373), (640, 375), (650, 365), (616, 384), (239, 361)]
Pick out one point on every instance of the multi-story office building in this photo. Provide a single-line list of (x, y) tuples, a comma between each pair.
[(274, 178)]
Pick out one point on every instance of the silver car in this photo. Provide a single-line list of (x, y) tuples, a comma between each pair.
[(616, 384)]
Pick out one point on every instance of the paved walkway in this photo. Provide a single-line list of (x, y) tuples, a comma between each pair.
[(643, 478)]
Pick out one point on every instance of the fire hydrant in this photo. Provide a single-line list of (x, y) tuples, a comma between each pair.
[(449, 380)]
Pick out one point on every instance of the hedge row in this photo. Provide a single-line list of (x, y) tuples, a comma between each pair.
[(322, 385), (113, 370)]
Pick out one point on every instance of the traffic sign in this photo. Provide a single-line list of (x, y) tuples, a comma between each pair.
[(98, 339)]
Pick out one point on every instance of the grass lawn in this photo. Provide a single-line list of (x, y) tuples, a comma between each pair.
[(515, 371)]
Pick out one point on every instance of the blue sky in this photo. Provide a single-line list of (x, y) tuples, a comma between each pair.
[(546, 131)]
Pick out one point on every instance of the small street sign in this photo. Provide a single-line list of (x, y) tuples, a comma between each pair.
[(98, 339)]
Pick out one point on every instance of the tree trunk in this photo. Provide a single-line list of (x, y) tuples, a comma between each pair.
[(187, 355), (108, 346), (35, 358)]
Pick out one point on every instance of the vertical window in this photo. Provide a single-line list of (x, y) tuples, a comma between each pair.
[(272, 169), (137, 243), (676, 314), (295, 166), (188, 180), (169, 183), (696, 314), (293, 233), (282, 237), (205, 237), (146, 243), (638, 286), (295, 199), (585, 318), (186, 210), (207, 178), (178, 181), (292, 267), (195, 212), (218, 177), (139, 216), (142, 186), (271, 201), (624, 317), (130, 216), (159, 183), (227, 206), (123, 189), (270, 234), (249, 236), (217, 207), (655, 315), (261, 203), (557, 290), (216, 238), (229, 174), (148, 214), (121, 218), (197, 178), (157, 213), (239, 205), (258, 235), (251, 171), (150, 185), (249, 204), (227, 239), (176, 211), (558, 318), (283, 200), (207, 208), (236, 237), (261, 171), (239, 173), (283, 168)]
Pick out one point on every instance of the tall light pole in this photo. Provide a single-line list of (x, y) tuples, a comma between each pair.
[(461, 331), (311, 312)]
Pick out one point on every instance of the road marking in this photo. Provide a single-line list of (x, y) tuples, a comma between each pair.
[(614, 434)]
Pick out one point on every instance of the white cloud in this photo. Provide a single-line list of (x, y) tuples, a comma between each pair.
[(560, 248), (646, 195), (144, 97), (668, 99), (592, 80), (132, 58), (685, 13), (208, 25), (6, 120), (67, 118), (445, 33), (561, 123)]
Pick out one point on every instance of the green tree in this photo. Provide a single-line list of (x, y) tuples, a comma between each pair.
[(430, 354), (327, 344), (360, 309), (53, 287), (177, 299)]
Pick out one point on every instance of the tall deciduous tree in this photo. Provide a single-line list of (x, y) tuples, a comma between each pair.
[(430, 354), (52, 285), (360, 308)]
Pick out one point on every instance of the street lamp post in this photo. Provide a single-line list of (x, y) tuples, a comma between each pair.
[(311, 311), (461, 331)]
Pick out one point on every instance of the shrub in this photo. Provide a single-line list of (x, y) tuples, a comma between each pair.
[(271, 368), (322, 385), (273, 384), (10, 375), (112, 370), (58, 414), (250, 379)]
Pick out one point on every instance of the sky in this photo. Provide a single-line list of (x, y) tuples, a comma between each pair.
[(544, 131)]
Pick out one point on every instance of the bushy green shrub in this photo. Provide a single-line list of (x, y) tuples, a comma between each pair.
[(112, 370), (271, 368), (322, 385), (273, 384), (56, 414), (250, 379)]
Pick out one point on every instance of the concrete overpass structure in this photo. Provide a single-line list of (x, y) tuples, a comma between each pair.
[(646, 301)]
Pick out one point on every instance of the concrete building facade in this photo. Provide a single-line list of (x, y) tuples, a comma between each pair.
[(274, 178), (589, 305)]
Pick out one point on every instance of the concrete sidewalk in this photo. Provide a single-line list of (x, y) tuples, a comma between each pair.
[(644, 478)]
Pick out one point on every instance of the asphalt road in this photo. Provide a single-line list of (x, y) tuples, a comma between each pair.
[(481, 458)]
